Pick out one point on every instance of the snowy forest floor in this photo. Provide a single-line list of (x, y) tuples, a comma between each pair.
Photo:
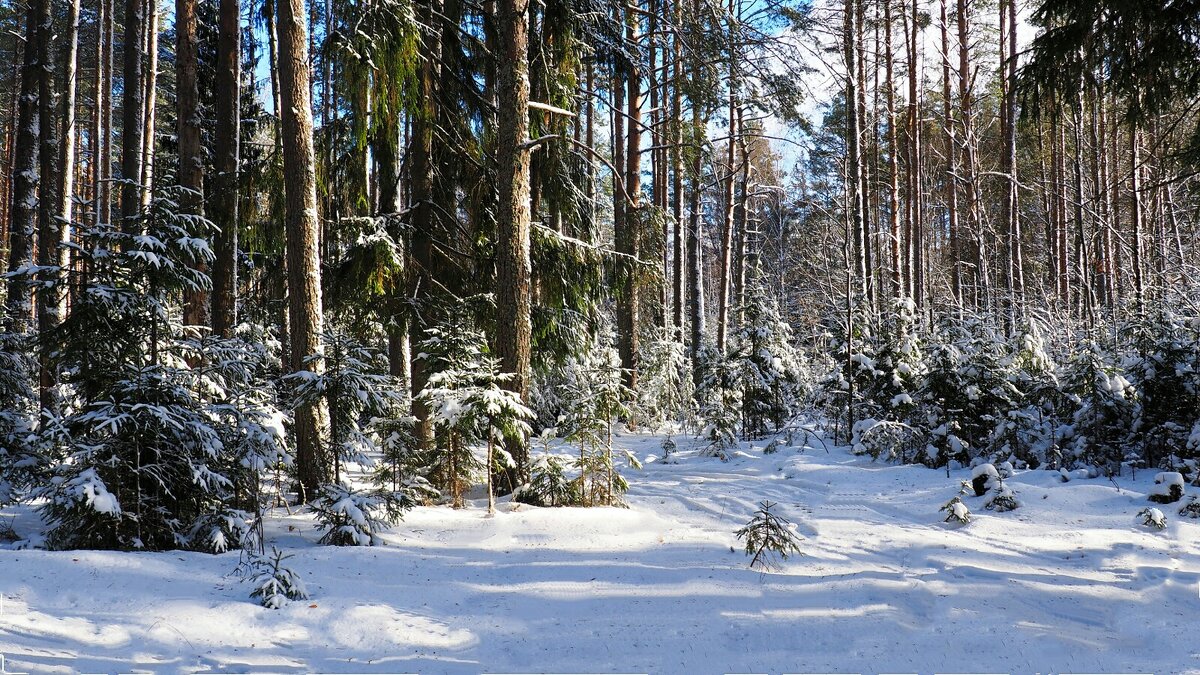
[(1069, 582)]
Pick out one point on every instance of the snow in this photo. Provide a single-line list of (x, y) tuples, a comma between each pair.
[(984, 470), (1069, 582), (1164, 481), (1169, 478)]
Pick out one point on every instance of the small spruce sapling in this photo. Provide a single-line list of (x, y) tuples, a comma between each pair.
[(956, 511), (549, 484), (1152, 517), (454, 352), (274, 583), (983, 478), (353, 381), (1000, 498), (720, 396), (769, 538), (594, 397), (349, 517), (1192, 508)]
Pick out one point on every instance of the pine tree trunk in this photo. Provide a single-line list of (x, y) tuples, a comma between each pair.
[(913, 229), (133, 107), (695, 235), (951, 179), (150, 100), (196, 310), (385, 149), (191, 157), (1016, 262), (300, 213), (864, 168), (854, 177), (1135, 210), (10, 140), (974, 224), (224, 206), (899, 280), (513, 267), (56, 234), (25, 181), (105, 200), (676, 136), (629, 239), (423, 216), (725, 274)]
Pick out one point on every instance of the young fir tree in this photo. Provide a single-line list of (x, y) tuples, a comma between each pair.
[(898, 364), (470, 402), (274, 584), (720, 399), (968, 390), (942, 406), (1165, 368), (664, 384), (141, 459), (771, 366), (769, 538), (452, 353), (353, 382), (1099, 406), (594, 396), (235, 376), (19, 462), (1027, 432)]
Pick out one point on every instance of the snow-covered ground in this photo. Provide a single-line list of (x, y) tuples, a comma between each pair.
[(1070, 582)]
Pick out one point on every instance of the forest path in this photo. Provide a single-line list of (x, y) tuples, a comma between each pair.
[(1067, 583)]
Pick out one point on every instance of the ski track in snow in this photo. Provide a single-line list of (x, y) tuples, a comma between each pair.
[(1069, 582)]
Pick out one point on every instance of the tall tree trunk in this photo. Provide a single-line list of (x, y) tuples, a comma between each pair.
[(854, 177), (865, 167), (385, 149), (1136, 215), (191, 157), (676, 137), (105, 212), (49, 230), (53, 251), (629, 240), (10, 140), (150, 100), (695, 249), (48, 146), (899, 279), (424, 219), (513, 268), (224, 206), (1083, 288), (25, 181), (1063, 284), (913, 229), (974, 224), (1015, 259), (725, 274), (951, 178), (741, 222), (300, 213), (133, 108)]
